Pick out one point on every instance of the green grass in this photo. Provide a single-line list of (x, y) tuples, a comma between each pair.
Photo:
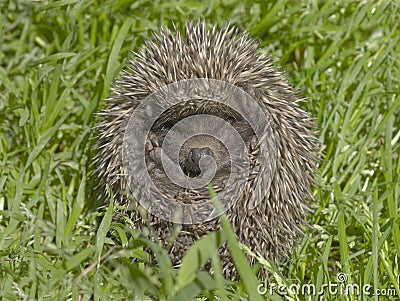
[(58, 60)]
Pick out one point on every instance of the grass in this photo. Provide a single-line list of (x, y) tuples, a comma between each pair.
[(58, 60)]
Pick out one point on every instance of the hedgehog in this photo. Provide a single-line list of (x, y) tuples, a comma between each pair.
[(276, 142)]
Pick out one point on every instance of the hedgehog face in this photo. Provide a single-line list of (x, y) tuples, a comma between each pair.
[(199, 153)]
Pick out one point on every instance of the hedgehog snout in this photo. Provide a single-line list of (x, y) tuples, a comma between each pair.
[(195, 154), (198, 158)]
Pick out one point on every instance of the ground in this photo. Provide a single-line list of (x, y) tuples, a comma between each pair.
[(57, 62)]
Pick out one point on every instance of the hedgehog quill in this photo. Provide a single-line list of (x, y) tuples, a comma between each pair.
[(208, 107)]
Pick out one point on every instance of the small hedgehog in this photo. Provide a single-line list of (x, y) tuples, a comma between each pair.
[(254, 119)]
